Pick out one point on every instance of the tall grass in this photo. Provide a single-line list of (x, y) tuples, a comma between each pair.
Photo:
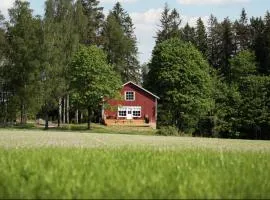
[(133, 173)]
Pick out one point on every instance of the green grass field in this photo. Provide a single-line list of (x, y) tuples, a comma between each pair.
[(39, 164)]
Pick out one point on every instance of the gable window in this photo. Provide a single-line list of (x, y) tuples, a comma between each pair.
[(130, 96)]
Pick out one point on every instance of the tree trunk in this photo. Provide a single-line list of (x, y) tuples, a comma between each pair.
[(77, 116), (24, 115), (68, 109), (21, 112), (81, 118), (46, 120), (89, 118), (64, 111), (59, 112), (6, 112)]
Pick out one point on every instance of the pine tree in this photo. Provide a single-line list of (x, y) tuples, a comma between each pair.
[(213, 42), (258, 42), (201, 37), (189, 34), (3, 88), (227, 48), (95, 19), (2, 36), (170, 25), (265, 60), (120, 43), (242, 32)]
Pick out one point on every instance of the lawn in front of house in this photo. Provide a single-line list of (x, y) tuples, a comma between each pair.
[(95, 128)]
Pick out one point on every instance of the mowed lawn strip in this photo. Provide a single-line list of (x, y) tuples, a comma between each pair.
[(126, 169), (39, 138)]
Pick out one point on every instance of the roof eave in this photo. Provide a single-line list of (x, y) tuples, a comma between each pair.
[(142, 89)]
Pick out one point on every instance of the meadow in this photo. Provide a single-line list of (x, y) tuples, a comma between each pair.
[(56, 164)]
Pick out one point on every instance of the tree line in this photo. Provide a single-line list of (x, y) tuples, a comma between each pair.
[(36, 54), (213, 80)]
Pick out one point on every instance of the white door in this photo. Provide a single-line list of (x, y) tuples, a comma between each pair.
[(129, 113)]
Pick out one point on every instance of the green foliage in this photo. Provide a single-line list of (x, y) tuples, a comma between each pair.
[(243, 64), (36, 52), (201, 37), (180, 76), (90, 19), (120, 43), (188, 34), (242, 31), (92, 78), (170, 25), (226, 48), (22, 71), (213, 42), (260, 41), (168, 131), (226, 109), (255, 107), (119, 173)]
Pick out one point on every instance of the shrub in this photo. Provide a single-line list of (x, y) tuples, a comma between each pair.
[(168, 131)]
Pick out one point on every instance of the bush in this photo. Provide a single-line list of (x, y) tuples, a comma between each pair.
[(168, 131)]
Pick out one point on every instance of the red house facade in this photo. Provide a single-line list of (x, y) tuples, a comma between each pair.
[(137, 106)]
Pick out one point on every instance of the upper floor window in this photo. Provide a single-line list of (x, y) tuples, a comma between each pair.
[(130, 96)]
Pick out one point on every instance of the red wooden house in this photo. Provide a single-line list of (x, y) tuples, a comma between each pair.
[(137, 107)]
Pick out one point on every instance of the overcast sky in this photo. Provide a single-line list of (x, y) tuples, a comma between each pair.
[(146, 14)]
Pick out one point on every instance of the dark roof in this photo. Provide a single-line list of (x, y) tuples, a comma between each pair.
[(142, 89)]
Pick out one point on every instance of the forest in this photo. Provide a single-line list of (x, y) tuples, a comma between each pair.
[(212, 79)]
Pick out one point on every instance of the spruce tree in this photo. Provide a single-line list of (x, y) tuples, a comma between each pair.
[(201, 37), (242, 32), (120, 43), (189, 34), (226, 48), (213, 42), (258, 42), (169, 25), (95, 19), (265, 58)]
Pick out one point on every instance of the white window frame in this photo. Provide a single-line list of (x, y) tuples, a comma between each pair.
[(129, 99), (123, 109), (133, 108), (137, 109)]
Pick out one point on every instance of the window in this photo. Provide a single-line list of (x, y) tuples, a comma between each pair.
[(122, 113), (130, 96), (127, 111), (136, 113)]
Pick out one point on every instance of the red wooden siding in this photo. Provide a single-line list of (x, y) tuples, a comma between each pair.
[(146, 101)]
